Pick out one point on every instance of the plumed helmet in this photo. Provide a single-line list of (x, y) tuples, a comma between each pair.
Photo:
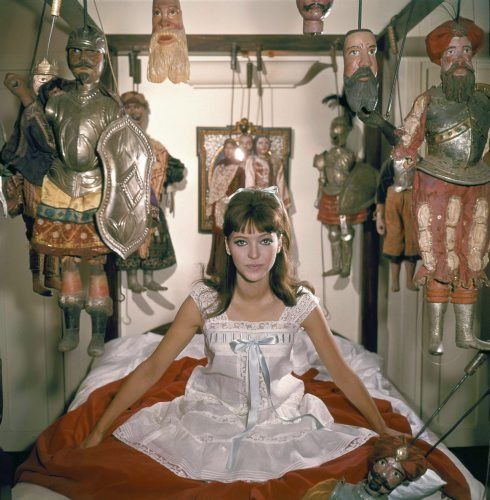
[(87, 38), (44, 67)]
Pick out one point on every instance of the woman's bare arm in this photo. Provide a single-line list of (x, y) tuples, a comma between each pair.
[(145, 375), (347, 381)]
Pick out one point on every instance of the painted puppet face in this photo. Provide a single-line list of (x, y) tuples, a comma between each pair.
[(313, 14), (262, 146), (86, 65), (360, 70), (385, 475), (168, 45)]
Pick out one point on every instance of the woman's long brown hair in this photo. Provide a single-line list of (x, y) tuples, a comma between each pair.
[(249, 210)]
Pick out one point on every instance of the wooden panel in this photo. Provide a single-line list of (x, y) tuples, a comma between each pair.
[(221, 44)]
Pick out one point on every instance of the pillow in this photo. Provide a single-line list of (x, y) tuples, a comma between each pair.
[(422, 487)]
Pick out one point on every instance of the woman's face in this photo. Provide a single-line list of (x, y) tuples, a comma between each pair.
[(253, 253), (229, 151), (262, 146)]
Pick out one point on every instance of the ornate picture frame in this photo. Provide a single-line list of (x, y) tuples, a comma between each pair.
[(210, 142)]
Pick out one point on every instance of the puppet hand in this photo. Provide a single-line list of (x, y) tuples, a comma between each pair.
[(380, 223), (16, 84), (93, 439), (371, 118)]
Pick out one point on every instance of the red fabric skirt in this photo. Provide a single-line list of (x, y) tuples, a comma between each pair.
[(115, 470), (328, 212)]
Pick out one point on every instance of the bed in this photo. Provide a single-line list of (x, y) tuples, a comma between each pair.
[(57, 469)]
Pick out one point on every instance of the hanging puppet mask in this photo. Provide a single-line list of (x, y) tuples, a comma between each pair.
[(360, 70), (313, 14), (169, 57)]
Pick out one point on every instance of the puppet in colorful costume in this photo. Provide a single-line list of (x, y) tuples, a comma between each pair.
[(451, 186), (28, 154), (72, 189), (157, 251)]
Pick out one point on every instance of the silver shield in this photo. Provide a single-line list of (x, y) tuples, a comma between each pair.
[(127, 159)]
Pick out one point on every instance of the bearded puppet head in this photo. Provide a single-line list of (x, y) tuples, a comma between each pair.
[(169, 56), (392, 463), (452, 45), (313, 14), (360, 70)]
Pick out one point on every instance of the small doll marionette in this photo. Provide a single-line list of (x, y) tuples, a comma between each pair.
[(169, 56)]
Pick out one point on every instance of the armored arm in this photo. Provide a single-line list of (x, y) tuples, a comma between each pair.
[(319, 164)]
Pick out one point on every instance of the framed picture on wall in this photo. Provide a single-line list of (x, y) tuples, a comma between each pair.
[(210, 152)]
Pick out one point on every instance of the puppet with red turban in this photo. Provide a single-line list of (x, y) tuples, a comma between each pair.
[(451, 190)]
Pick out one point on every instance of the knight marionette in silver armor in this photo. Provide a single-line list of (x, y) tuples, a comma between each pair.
[(340, 202), (451, 192)]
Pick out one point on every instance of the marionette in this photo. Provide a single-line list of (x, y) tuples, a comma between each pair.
[(228, 176), (313, 14), (28, 154), (394, 221), (269, 170), (451, 190), (169, 56), (360, 83), (342, 199), (91, 205), (157, 251), (391, 464)]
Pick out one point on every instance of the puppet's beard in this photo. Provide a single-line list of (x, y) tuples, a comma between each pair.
[(168, 61), (361, 95), (458, 88)]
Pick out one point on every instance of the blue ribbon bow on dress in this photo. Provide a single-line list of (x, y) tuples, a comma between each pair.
[(255, 363)]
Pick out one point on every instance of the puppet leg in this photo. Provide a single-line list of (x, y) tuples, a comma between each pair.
[(464, 302), (334, 238), (36, 262), (347, 238), (133, 283), (395, 276), (437, 299), (410, 271), (150, 283), (71, 302), (99, 306), (52, 278)]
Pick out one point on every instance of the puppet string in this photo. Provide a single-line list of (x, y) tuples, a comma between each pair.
[(359, 15)]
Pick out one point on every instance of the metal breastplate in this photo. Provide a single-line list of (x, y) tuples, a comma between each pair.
[(78, 121), (456, 134), (338, 164)]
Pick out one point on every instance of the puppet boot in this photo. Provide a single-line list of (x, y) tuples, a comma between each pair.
[(150, 284), (133, 283), (72, 306), (52, 276), (334, 238), (346, 256), (437, 311), (36, 261), (99, 309), (464, 314)]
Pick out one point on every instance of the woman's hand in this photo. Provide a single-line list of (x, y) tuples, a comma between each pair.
[(93, 439)]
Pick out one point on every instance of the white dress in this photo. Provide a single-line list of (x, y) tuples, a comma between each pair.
[(238, 417)]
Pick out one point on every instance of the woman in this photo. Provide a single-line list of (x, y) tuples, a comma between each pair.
[(244, 416)]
